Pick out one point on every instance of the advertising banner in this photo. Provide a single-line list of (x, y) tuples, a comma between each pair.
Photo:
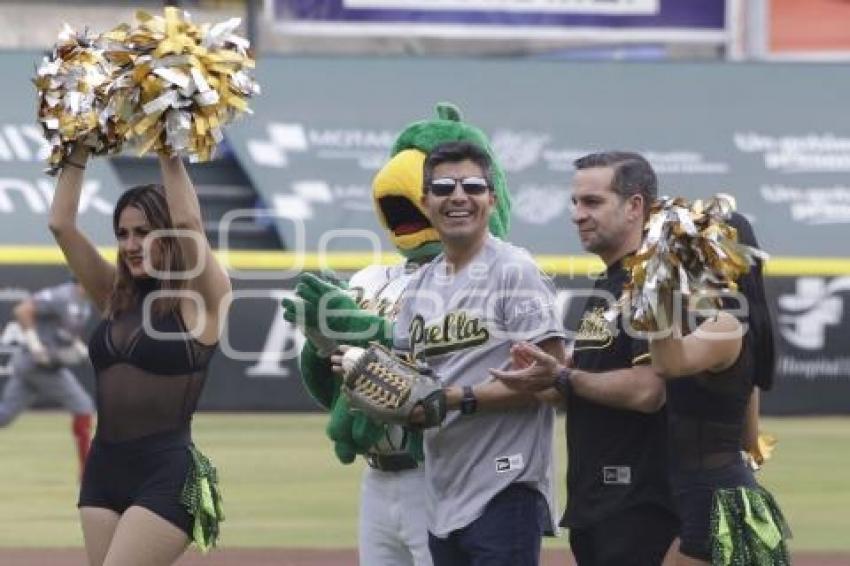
[(758, 131), (324, 126), (627, 20), (812, 317)]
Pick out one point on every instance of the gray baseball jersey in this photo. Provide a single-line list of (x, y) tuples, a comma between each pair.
[(462, 325), (61, 314)]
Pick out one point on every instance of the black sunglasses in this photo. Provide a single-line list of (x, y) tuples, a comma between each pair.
[(445, 186)]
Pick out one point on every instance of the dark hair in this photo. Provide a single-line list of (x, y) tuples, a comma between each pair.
[(150, 199), (633, 174), (454, 152), (760, 332)]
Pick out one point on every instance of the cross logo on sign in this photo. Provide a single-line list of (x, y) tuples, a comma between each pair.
[(805, 315)]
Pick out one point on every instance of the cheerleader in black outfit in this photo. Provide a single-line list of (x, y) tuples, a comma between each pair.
[(147, 492), (727, 518)]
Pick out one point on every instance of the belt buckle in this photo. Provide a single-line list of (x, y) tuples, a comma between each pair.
[(391, 462), (373, 461)]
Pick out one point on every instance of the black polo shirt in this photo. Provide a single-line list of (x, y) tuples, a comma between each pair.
[(616, 458)]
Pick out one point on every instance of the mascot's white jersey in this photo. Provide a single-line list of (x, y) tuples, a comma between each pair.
[(378, 289), (393, 526)]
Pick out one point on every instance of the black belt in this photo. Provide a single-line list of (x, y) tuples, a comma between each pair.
[(707, 461), (392, 462)]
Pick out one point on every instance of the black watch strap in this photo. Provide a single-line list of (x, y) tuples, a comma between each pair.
[(564, 383), (468, 403)]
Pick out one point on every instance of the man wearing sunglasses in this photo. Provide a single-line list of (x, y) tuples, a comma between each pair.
[(488, 465)]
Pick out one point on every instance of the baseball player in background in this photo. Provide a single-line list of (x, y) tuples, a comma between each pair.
[(52, 322)]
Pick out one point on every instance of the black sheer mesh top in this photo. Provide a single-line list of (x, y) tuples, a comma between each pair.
[(146, 383), (707, 413)]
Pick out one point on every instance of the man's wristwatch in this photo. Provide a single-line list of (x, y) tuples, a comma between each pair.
[(563, 382), (468, 403)]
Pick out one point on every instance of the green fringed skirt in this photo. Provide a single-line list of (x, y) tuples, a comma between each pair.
[(748, 529), (202, 497)]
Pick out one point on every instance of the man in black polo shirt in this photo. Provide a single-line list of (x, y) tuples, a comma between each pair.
[(619, 508)]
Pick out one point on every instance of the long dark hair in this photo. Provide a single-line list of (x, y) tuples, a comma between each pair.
[(128, 290), (760, 333)]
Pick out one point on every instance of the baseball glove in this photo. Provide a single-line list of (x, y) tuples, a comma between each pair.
[(388, 389)]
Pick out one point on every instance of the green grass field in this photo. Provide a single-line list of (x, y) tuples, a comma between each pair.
[(284, 488)]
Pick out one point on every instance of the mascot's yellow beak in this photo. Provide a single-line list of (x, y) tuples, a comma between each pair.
[(397, 196)]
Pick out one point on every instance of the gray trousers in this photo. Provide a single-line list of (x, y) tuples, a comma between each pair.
[(29, 382), (393, 519)]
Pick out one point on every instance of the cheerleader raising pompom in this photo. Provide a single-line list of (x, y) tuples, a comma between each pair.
[(688, 249), (163, 85), (72, 86)]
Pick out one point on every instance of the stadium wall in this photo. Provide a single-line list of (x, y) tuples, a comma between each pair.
[(256, 369)]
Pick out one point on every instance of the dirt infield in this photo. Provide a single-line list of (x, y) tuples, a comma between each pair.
[(295, 557)]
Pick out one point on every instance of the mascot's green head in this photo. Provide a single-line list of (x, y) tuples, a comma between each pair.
[(397, 188)]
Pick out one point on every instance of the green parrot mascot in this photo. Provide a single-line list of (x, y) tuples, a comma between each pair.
[(369, 301)]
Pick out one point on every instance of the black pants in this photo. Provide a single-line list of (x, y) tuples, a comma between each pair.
[(507, 534), (638, 536)]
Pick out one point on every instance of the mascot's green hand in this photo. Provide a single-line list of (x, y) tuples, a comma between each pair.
[(365, 432), (331, 311), (334, 279), (291, 308), (299, 313), (344, 452), (320, 382), (339, 431), (312, 288)]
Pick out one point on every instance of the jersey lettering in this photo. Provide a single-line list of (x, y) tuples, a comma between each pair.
[(456, 331)]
